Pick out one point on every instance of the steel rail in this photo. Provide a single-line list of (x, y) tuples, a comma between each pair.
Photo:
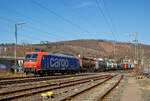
[(78, 93), (49, 85), (11, 78), (81, 81), (36, 79), (108, 92), (21, 77)]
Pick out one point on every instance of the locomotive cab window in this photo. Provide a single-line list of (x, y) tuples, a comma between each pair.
[(28, 56), (31, 57)]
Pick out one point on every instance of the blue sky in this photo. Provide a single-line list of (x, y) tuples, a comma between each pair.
[(60, 20)]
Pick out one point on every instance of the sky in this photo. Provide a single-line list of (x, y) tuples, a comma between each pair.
[(62, 20)]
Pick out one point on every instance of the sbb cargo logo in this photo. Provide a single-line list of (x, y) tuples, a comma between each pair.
[(57, 62)]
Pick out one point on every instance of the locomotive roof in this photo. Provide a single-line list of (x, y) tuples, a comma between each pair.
[(62, 55)]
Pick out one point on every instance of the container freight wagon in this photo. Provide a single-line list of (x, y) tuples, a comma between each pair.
[(123, 66), (126, 63), (86, 64), (109, 65), (115, 66), (100, 66), (126, 66), (120, 66), (131, 66), (56, 63)]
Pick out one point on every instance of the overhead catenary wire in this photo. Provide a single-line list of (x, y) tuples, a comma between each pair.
[(33, 28), (83, 19), (37, 21), (24, 37), (32, 19), (105, 18), (113, 28), (110, 18), (27, 36), (59, 16), (109, 25), (37, 29)]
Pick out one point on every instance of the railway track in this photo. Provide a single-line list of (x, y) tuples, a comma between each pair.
[(146, 75), (44, 88), (121, 71), (36, 79), (78, 94), (22, 77), (109, 90), (12, 78)]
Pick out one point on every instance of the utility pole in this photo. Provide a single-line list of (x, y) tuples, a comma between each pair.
[(15, 49), (136, 46), (0, 51), (142, 59), (114, 49), (81, 53), (129, 52), (15, 52), (136, 51)]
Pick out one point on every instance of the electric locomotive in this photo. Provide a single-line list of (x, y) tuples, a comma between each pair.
[(44, 63)]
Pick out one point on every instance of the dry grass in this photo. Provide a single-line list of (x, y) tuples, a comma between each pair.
[(94, 48)]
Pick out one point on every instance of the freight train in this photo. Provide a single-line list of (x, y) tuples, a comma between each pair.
[(44, 63)]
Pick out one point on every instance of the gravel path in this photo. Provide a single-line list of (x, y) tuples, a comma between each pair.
[(145, 88), (132, 92)]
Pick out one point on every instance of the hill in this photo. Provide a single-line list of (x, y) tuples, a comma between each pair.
[(87, 48)]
